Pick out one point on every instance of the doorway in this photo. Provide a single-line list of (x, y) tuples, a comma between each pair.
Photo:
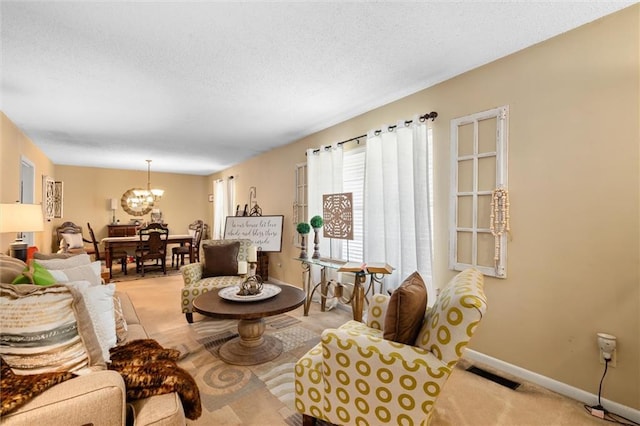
[(27, 190)]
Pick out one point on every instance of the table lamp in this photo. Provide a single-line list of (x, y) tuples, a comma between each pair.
[(20, 218)]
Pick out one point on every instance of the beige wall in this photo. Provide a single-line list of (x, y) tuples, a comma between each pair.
[(574, 172), (574, 188), (87, 192), (14, 146)]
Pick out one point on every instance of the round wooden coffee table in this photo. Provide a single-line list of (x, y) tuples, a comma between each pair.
[(252, 346)]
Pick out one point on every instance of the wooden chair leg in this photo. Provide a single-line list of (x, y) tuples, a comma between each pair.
[(307, 420), (189, 316)]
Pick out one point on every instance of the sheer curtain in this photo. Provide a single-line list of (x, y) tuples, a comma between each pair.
[(324, 176), (397, 202), (224, 200)]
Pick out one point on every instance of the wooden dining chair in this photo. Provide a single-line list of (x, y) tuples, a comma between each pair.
[(120, 255), (152, 246), (193, 249)]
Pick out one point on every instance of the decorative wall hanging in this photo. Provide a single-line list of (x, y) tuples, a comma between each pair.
[(48, 197), (58, 199), (337, 211), (499, 220), (479, 209)]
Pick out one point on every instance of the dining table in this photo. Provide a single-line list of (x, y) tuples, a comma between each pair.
[(112, 243)]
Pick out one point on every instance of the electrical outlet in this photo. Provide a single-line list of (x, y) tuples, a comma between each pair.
[(607, 345), (614, 358)]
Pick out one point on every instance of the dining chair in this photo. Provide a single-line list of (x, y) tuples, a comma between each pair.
[(70, 239), (190, 249), (152, 246), (117, 254)]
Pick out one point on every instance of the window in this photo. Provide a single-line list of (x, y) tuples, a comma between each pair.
[(353, 181), (478, 176), (300, 206)]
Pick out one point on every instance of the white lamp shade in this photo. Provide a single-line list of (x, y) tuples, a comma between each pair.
[(21, 218), (114, 203)]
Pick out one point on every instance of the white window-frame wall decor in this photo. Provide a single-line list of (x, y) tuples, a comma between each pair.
[(479, 203)]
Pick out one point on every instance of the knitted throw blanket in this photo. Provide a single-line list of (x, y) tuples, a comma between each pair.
[(146, 367), (17, 389), (149, 369)]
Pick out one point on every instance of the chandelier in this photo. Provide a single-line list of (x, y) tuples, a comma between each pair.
[(146, 197)]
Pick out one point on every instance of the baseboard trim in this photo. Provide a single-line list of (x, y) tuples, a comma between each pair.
[(553, 385)]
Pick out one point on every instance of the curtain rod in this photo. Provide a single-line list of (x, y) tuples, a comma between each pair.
[(430, 115)]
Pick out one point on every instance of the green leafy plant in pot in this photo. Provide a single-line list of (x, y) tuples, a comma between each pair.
[(303, 229), (316, 224)]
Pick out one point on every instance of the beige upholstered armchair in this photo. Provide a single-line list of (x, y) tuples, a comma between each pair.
[(223, 273), (356, 377)]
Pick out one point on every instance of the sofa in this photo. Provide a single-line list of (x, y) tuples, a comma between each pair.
[(97, 397), (220, 260)]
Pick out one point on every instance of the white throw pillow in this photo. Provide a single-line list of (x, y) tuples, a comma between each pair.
[(70, 262), (73, 240), (98, 301), (90, 273)]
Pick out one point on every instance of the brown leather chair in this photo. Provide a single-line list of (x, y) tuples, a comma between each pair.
[(120, 255), (152, 246), (74, 241), (178, 253)]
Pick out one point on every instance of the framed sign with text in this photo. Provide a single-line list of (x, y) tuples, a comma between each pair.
[(265, 232)]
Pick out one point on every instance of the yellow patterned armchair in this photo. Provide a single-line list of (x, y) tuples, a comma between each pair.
[(192, 274), (356, 377)]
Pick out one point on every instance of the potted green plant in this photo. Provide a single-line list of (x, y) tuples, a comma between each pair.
[(316, 223), (303, 229)]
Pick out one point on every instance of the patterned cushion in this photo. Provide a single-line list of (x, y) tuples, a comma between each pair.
[(406, 310), (220, 259), (42, 332), (10, 268)]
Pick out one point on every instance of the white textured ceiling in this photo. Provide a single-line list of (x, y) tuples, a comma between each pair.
[(200, 86)]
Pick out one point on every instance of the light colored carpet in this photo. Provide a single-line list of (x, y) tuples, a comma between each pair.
[(263, 394)]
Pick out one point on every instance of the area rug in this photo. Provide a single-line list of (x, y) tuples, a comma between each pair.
[(223, 386), (119, 276)]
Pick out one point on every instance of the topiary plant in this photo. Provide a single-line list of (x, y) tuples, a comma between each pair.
[(316, 222), (303, 228)]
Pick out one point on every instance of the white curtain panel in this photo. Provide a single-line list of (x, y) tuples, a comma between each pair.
[(397, 226), (224, 205), (324, 176), (218, 209)]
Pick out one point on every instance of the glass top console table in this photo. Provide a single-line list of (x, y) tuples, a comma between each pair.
[(358, 296)]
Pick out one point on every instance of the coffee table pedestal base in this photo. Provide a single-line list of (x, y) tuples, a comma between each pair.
[(252, 347)]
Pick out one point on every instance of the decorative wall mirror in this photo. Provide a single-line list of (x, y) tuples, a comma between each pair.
[(130, 205)]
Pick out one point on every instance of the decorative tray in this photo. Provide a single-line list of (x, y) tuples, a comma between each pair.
[(231, 293)]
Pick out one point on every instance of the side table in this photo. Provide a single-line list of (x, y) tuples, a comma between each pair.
[(358, 297)]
